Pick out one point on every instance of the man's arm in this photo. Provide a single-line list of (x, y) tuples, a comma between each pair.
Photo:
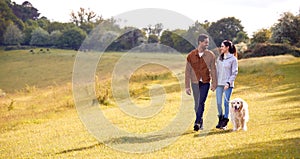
[(188, 78), (213, 73)]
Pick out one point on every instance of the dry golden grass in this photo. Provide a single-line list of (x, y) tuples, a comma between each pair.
[(42, 122)]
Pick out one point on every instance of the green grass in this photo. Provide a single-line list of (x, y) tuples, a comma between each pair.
[(38, 118), (20, 69)]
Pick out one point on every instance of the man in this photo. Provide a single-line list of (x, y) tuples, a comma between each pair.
[(199, 72)]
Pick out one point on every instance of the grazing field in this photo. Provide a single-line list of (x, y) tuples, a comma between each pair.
[(38, 117)]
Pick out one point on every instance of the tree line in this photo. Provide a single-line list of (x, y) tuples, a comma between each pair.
[(21, 24)]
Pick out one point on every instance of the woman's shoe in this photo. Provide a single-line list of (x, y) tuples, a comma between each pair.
[(219, 123), (224, 123)]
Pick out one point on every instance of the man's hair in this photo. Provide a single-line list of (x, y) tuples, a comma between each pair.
[(202, 37)]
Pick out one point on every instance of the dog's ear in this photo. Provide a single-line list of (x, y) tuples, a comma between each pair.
[(231, 103), (241, 107)]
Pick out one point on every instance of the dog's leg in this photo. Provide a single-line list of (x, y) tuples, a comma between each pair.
[(234, 123), (238, 125), (245, 127)]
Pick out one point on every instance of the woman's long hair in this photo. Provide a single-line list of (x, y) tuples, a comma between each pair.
[(231, 49)]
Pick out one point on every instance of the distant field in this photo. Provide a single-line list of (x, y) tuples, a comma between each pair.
[(38, 118), (20, 68)]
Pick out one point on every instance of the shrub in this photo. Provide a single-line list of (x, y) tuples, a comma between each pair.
[(296, 52), (266, 49)]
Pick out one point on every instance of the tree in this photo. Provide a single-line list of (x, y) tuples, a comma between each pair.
[(31, 22), (176, 40), (85, 16), (55, 26), (39, 37), (241, 37), (59, 26), (104, 37), (30, 26), (158, 28), (54, 38), (261, 36), (225, 28), (43, 22), (130, 39), (153, 30), (206, 24), (287, 30), (194, 31), (7, 18), (181, 44), (87, 27), (86, 19), (107, 42), (153, 39), (25, 11), (72, 38), (27, 34), (13, 35), (166, 38)]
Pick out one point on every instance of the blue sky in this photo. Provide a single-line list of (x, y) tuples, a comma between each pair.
[(254, 14)]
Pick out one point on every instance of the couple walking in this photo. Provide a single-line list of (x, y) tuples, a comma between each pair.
[(203, 67)]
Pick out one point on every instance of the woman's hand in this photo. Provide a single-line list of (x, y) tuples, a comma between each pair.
[(226, 87)]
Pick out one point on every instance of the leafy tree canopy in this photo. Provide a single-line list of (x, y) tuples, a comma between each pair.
[(25, 11), (225, 28)]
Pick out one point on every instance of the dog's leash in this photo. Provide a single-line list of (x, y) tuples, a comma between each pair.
[(225, 97)]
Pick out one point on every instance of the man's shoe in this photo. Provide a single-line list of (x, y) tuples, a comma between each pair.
[(201, 126), (196, 127)]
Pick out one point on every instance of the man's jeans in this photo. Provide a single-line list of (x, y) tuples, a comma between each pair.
[(200, 92)]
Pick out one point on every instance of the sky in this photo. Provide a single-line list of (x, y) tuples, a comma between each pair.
[(254, 14)]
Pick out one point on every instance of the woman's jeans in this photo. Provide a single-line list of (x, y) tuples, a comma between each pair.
[(200, 92), (219, 94)]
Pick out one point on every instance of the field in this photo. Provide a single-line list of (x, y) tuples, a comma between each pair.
[(39, 119)]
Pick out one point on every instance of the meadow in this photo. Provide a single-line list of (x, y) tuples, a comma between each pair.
[(39, 119)]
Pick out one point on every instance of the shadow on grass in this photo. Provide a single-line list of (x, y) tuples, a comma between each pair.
[(153, 138), (287, 148), (79, 149), (292, 94), (288, 113), (127, 139), (295, 130), (145, 139), (212, 132)]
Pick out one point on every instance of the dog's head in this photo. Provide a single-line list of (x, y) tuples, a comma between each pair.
[(237, 105)]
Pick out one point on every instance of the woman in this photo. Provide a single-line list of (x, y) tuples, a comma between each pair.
[(227, 70)]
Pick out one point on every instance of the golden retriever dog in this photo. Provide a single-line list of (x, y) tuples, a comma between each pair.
[(239, 114)]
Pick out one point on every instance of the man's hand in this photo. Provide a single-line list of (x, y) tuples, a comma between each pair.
[(188, 91), (212, 88)]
